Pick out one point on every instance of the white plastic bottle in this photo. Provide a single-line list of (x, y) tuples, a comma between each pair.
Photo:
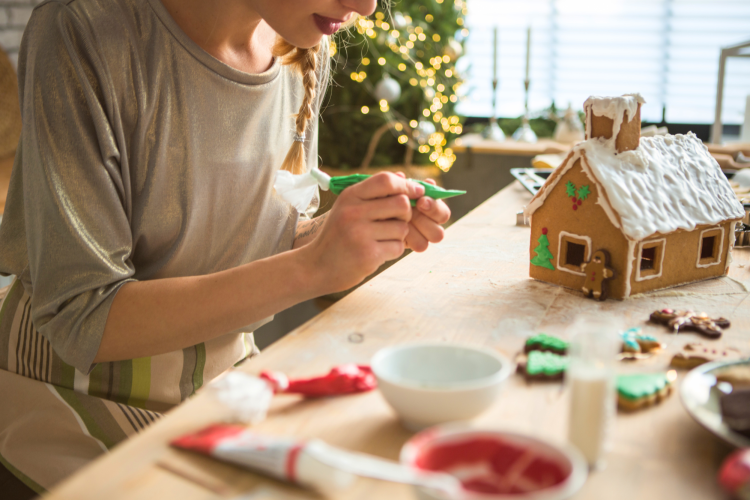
[(591, 387)]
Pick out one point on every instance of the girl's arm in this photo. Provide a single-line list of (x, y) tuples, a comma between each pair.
[(365, 228), (307, 230)]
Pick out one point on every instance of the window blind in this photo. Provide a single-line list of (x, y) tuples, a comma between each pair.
[(667, 50)]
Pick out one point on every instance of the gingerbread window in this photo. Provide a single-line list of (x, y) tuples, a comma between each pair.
[(650, 259), (573, 251), (710, 247)]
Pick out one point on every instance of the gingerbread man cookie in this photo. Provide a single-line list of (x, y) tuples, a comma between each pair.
[(689, 320), (641, 390), (695, 354), (597, 273)]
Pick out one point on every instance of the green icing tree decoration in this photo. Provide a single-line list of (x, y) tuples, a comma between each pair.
[(583, 192), (570, 189), (543, 255)]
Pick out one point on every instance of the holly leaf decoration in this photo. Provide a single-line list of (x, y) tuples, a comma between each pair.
[(583, 192), (570, 189)]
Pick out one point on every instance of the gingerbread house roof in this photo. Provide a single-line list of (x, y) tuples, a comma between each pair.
[(668, 183)]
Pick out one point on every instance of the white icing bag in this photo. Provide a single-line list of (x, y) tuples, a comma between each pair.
[(298, 190), (246, 397)]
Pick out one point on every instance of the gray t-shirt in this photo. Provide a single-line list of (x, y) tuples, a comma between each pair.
[(142, 157)]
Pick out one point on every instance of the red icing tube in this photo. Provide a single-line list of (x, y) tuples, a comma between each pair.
[(344, 379), (274, 456)]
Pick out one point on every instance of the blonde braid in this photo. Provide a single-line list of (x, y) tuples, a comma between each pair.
[(305, 61)]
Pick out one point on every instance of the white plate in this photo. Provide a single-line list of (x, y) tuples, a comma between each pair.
[(700, 397)]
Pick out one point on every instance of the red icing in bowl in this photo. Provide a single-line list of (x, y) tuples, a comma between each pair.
[(493, 465)]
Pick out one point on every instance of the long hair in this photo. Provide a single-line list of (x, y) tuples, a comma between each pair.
[(306, 62)]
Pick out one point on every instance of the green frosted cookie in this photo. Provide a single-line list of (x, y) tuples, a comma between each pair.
[(641, 390), (540, 365), (544, 342)]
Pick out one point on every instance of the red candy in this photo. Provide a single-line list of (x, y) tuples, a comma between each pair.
[(734, 475)]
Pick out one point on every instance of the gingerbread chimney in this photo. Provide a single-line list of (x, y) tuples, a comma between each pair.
[(618, 117)]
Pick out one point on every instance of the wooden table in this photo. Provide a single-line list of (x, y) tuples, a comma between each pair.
[(471, 288)]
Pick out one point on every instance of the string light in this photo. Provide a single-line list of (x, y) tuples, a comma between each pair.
[(427, 75)]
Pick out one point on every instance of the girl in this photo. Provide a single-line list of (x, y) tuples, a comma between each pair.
[(141, 222)]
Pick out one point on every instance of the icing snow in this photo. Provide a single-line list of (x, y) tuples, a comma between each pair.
[(613, 108), (668, 183)]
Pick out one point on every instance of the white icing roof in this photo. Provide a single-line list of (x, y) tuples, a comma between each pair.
[(669, 182)]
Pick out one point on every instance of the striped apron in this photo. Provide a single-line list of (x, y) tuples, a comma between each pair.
[(55, 419)]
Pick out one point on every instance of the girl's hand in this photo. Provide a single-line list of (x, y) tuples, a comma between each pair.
[(425, 225), (367, 226)]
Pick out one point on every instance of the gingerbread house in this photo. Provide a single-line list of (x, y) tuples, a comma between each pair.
[(659, 208)]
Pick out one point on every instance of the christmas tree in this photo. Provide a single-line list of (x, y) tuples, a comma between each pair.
[(543, 255), (395, 68)]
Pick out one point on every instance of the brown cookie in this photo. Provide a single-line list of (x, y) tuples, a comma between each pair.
[(696, 353), (738, 376), (541, 365), (641, 390), (688, 320)]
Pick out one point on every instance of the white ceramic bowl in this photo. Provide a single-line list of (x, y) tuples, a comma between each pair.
[(524, 467), (434, 383)]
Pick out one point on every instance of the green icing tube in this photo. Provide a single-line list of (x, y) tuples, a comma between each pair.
[(338, 184)]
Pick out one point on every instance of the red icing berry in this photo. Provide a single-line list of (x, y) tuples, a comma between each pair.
[(579, 202), (575, 199), (544, 230), (575, 207)]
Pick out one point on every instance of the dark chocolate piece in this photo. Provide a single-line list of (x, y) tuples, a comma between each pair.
[(735, 410)]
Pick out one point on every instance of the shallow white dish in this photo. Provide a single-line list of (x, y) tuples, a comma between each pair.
[(532, 469), (700, 397), (433, 383)]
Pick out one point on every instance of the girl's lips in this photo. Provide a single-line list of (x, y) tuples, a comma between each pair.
[(327, 25)]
